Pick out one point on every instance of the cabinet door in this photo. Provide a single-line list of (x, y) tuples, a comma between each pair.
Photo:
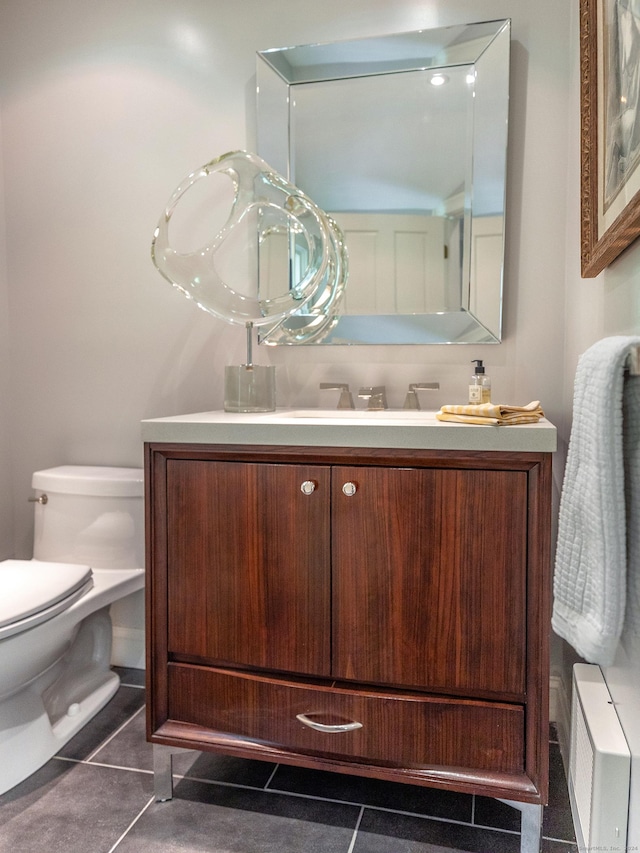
[(248, 565), (430, 578)]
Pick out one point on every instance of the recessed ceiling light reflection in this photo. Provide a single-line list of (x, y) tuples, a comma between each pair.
[(439, 79)]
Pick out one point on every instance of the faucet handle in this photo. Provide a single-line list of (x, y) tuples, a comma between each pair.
[(346, 398), (376, 395), (411, 401)]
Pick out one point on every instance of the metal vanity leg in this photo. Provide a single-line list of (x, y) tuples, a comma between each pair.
[(531, 832), (162, 772)]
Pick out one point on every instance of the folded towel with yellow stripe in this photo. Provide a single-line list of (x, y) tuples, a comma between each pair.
[(492, 413)]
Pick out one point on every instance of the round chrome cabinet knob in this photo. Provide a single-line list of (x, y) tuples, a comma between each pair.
[(349, 489), (308, 487)]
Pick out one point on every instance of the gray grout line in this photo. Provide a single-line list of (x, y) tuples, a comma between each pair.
[(362, 806), (355, 831), (385, 809), (113, 734), (268, 782), (102, 764), (132, 824), (346, 803)]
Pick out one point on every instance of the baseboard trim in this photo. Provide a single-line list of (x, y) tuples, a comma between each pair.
[(128, 647), (560, 714)]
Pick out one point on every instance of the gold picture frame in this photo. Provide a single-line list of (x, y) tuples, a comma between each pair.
[(609, 135)]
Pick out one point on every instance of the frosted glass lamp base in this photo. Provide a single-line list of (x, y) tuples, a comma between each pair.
[(250, 388)]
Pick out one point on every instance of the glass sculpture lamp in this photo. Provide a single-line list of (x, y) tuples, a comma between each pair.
[(274, 260)]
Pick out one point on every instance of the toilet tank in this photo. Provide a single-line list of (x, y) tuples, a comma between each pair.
[(92, 515)]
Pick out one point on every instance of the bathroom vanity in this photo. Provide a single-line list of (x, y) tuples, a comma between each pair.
[(365, 593)]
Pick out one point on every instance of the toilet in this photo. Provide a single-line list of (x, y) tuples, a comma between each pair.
[(55, 623)]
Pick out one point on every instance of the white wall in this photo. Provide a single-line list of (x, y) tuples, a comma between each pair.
[(6, 502), (106, 106)]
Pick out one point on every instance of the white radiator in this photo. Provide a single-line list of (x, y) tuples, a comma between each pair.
[(599, 765)]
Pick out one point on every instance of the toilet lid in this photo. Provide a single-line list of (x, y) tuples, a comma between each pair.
[(32, 591)]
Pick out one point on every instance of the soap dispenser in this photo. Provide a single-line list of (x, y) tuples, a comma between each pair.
[(480, 385)]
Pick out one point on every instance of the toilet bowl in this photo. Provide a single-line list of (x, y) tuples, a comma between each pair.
[(55, 625)]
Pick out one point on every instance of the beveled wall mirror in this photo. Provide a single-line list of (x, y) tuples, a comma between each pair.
[(402, 139)]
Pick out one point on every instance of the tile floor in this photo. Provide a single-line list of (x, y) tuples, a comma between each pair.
[(96, 796)]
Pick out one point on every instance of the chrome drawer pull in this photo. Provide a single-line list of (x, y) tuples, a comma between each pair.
[(321, 727)]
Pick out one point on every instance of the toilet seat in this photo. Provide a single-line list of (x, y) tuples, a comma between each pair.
[(32, 591)]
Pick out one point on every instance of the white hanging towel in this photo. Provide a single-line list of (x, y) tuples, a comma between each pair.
[(591, 561), (631, 438)]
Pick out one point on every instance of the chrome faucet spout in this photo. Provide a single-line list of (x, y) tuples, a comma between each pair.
[(346, 397), (376, 396), (412, 401)]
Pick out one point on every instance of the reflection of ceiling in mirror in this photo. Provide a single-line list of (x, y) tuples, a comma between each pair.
[(414, 160)]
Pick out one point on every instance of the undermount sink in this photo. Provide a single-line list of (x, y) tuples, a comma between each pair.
[(359, 416)]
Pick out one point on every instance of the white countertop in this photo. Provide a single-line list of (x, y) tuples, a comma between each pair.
[(322, 428)]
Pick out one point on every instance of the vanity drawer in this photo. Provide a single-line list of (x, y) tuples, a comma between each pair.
[(407, 730)]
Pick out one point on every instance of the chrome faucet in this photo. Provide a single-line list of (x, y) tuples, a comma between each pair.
[(411, 401), (346, 398), (377, 397)]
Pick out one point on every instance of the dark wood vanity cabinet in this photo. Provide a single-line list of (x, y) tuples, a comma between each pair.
[(370, 611), (248, 566)]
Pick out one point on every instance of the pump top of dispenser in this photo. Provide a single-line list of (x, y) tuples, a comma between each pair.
[(478, 364)]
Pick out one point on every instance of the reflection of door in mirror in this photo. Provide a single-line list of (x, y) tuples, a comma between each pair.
[(273, 264), (397, 261), (486, 267)]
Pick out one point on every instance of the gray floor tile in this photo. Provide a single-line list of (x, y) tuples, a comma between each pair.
[(130, 677), (493, 813), (383, 832), (71, 808), (129, 748), (373, 792), (557, 822), (28, 793), (124, 704), (216, 819), (226, 768)]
